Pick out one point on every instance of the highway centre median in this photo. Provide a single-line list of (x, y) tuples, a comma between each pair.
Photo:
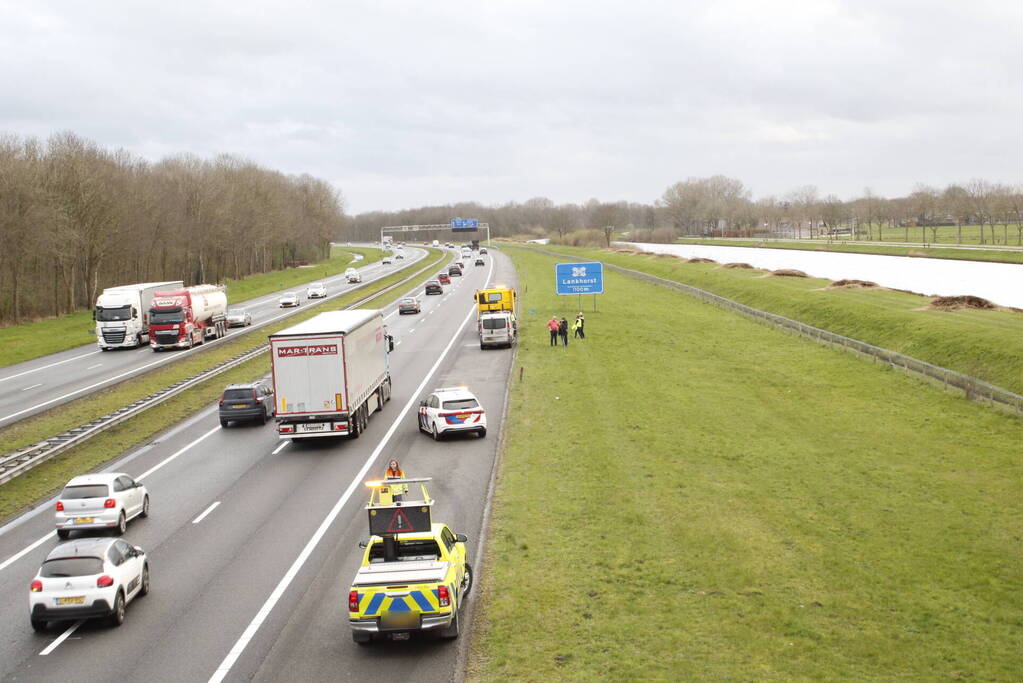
[(687, 494)]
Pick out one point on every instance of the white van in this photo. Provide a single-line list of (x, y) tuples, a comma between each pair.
[(498, 328)]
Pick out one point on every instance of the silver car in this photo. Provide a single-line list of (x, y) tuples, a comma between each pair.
[(238, 317), (100, 501)]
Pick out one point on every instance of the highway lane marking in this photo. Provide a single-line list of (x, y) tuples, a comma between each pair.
[(93, 367), (257, 621), (170, 458), (206, 512), (43, 367), (61, 638), (26, 550), (284, 444), (33, 386), (135, 370)]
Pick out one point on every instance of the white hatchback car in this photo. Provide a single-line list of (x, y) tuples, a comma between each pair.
[(100, 501), (88, 578), (317, 290), (449, 410), (353, 276), (289, 300)]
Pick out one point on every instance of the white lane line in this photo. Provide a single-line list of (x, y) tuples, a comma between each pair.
[(280, 448), (43, 367), (93, 367), (310, 546), (33, 386), (61, 638), (169, 458), (25, 551), (206, 512)]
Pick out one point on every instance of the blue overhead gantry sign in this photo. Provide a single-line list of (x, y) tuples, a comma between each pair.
[(466, 224), (579, 278)]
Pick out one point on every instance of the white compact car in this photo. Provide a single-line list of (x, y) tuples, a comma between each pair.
[(352, 275), (317, 290), (450, 410), (100, 501), (88, 578), (387, 260), (238, 317), (289, 300)]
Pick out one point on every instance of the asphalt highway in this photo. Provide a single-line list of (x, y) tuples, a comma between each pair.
[(253, 541), (36, 385)]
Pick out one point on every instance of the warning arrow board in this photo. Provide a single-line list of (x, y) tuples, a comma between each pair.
[(397, 519), (399, 523)]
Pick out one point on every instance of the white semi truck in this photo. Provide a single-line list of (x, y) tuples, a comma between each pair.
[(122, 314), (330, 373)]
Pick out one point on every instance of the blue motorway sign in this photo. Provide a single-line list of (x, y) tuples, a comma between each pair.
[(465, 224), (579, 278)]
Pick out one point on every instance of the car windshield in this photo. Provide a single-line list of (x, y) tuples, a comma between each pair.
[(408, 302), (237, 394), (493, 323), (111, 314), (461, 404), (71, 566), (84, 491), (171, 315)]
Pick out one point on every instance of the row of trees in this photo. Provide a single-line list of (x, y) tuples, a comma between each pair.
[(75, 218), (723, 206)]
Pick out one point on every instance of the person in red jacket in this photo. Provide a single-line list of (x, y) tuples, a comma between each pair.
[(553, 325)]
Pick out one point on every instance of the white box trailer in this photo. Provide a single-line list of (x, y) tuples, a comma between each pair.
[(329, 373)]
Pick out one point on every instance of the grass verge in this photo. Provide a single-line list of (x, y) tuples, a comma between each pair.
[(41, 338), (997, 255), (983, 343), (688, 495), (41, 480)]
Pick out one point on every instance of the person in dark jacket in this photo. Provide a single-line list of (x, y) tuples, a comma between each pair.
[(563, 331)]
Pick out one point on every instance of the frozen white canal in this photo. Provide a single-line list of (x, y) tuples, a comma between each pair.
[(1001, 283)]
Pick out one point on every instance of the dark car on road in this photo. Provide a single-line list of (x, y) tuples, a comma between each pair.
[(479, 262), (433, 287), (454, 270), (409, 304), (251, 401)]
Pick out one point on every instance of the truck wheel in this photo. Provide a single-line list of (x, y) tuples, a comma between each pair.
[(452, 631), (354, 426)]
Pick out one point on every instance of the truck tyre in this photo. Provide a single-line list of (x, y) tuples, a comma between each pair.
[(354, 425), (452, 631)]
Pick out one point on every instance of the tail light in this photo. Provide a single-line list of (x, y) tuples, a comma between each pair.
[(104, 581), (286, 430), (221, 400), (60, 506), (36, 586), (353, 601), (255, 396), (109, 503), (443, 597)]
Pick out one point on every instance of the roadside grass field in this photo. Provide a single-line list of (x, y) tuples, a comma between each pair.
[(42, 480), (41, 338), (997, 255), (689, 495), (983, 343)]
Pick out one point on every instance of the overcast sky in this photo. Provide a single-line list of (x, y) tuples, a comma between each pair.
[(404, 104)]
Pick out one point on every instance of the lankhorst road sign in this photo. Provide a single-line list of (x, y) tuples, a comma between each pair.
[(465, 224), (579, 278)]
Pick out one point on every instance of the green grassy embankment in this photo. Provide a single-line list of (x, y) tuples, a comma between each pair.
[(997, 255), (689, 495), (40, 481), (983, 343), (36, 339)]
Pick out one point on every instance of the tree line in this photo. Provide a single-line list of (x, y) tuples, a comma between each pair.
[(724, 207), (75, 219)]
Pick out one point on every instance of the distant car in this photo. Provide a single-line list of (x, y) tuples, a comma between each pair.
[(454, 270), (409, 305), (88, 578), (250, 401), (450, 410), (479, 262), (433, 287), (444, 278), (353, 275), (387, 260), (239, 317), (460, 264), (317, 290), (289, 300), (399, 256), (482, 250), (100, 501)]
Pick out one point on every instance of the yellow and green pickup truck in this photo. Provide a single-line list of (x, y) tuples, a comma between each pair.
[(421, 588)]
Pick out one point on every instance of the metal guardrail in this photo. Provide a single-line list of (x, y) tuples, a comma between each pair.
[(20, 461), (973, 388)]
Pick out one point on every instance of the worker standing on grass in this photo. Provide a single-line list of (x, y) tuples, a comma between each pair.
[(394, 471), (563, 331), (578, 326), (553, 325)]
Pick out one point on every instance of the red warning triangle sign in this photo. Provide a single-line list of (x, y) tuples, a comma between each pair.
[(399, 522)]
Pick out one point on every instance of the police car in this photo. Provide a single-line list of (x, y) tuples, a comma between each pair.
[(449, 410)]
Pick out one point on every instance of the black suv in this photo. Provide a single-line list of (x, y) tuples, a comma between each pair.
[(252, 401)]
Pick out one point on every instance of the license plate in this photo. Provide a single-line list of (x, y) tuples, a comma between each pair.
[(83, 520), (239, 405), (464, 416), (74, 600), (318, 427), (401, 635)]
